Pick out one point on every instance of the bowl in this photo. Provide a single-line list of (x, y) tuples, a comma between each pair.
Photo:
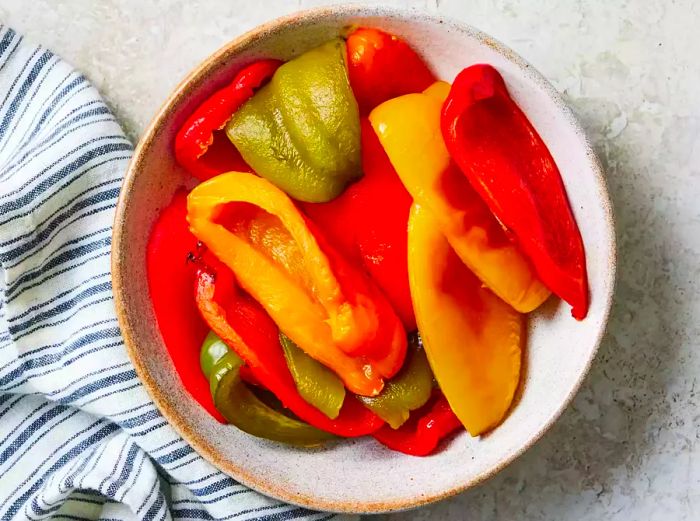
[(360, 475)]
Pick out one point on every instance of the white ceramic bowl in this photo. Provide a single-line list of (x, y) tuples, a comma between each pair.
[(361, 475)]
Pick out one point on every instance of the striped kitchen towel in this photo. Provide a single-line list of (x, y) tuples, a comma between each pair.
[(79, 436)]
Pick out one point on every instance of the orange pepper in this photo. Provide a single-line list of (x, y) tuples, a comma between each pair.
[(472, 338), (409, 129), (326, 306)]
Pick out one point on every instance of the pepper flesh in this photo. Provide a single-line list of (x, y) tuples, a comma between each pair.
[(509, 165), (423, 432), (367, 224), (410, 389), (248, 330), (171, 279), (302, 130), (382, 66), (472, 338), (199, 147), (239, 405), (325, 305), (409, 129), (317, 384)]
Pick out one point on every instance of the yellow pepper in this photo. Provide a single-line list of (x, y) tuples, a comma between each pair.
[(327, 307), (472, 338), (409, 129)]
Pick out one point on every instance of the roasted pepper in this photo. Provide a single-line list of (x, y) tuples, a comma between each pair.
[(317, 384), (424, 430), (199, 147), (472, 338), (213, 349), (382, 66), (249, 331), (242, 408), (367, 224), (509, 165), (410, 389), (325, 305), (302, 130), (409, 129), (171, 279)]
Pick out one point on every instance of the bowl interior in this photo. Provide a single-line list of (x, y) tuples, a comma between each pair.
[(360, 475)]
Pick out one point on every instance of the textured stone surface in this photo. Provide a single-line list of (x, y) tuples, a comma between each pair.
[(628, 446)]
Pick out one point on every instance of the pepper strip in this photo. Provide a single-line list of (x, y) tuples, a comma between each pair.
[(409, 390), (242, 408), (509, 165), (317, 384), (472, 338), (424, 430), (171, 279), (198, 148), (247, 329), (325, 305), (382, 66), (409, 129), (301, 131)]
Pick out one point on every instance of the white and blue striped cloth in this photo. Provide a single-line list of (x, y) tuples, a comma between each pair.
[(79, 436)]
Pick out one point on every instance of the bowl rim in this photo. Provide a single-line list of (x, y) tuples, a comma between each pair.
[(129, 334)]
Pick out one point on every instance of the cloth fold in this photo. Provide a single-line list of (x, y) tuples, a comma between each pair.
[(79, 436)]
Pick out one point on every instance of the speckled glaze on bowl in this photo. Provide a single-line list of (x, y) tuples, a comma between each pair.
[(360, 475)]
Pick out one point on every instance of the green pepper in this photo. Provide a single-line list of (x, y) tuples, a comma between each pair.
[(317, 384), (409, 390), (213, 349), (242, 408), (302, 130)]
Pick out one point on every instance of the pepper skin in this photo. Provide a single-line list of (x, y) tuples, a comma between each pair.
[(302, 130), (472, 338), (171, 280), (213, 349), (242, 408), (382, 66), (317, 384), (508, 164), (199, 147)]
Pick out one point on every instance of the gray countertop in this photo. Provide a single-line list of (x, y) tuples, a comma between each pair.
[(628, 446)]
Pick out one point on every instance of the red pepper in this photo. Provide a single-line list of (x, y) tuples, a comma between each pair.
[(246, 327), (508, 164), (381, 66), (199, 147), (171, 279), (425, 428), (368, 224)]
